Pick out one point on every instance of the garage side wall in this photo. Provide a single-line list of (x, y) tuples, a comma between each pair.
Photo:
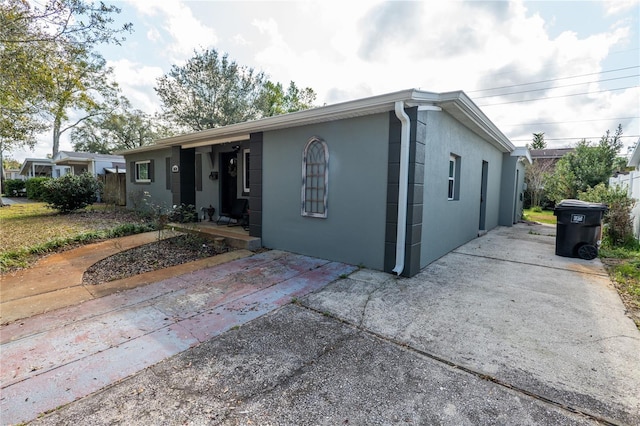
[(512, 190), (447, 224), (354, 229)]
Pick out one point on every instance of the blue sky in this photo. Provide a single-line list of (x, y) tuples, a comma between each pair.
[(347, 50)]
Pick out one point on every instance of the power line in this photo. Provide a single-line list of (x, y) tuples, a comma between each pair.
[(560, 96), (572, 121), (567, 139), (556, 87), (554, 79)]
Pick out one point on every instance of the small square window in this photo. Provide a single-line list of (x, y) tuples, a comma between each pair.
[(143, 172)]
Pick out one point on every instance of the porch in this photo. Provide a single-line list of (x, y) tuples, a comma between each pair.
[(234, 236)]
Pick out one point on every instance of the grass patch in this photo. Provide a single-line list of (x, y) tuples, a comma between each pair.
[(623, 266), (544, 216), (31, 229)]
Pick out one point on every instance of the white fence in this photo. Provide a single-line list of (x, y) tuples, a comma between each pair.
[(632, 183)]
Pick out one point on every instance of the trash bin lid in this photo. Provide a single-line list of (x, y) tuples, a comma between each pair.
[(579, 204)]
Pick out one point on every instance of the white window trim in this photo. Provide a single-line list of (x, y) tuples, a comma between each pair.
[(245, 185), (451, 183), (148, 162), (304, 212)]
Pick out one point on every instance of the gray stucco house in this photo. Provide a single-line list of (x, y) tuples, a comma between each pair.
[(391, 182)]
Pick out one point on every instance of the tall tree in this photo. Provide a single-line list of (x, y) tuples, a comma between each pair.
[(34, 38), (120, 130), (213, 91), (24, 79), (274, 101), (538, 141), (210, 91), (82, 90), (587, 166)]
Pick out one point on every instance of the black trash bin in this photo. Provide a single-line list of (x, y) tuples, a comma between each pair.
[(578, 228)]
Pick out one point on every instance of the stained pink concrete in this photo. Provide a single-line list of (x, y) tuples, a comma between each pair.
[(57, 357)]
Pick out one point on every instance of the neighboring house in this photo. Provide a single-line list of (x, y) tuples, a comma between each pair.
[(391, 182), (631, 181), (550, 154), (96, 164), (40, 167), (13, 174)]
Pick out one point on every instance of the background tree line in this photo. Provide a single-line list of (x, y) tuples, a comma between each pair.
[(584, 174)]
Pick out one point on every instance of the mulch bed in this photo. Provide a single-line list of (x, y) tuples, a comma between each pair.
[(150, 257)]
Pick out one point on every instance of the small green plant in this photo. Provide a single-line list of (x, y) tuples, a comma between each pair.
[(184, 213), (536, 209)]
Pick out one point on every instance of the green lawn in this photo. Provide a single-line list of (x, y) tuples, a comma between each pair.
[(28, 230), (545, 216)]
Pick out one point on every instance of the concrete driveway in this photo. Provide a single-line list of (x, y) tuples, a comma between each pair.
[(500, 331)]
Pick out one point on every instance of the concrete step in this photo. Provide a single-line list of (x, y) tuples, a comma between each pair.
[(234, 236)]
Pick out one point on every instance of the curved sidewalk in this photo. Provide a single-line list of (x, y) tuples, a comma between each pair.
[(55, 281)]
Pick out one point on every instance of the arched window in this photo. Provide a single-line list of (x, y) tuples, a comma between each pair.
[(315, 178)]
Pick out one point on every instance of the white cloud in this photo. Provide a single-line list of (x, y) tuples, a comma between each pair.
[(184, 31), (614, 7), (137, 81), (348, 50)]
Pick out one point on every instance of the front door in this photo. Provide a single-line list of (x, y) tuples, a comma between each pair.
[(228, 180)]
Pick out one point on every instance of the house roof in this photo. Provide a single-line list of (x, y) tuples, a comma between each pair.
[(40, 162), (67, 157), (457, 103), (550, 153)]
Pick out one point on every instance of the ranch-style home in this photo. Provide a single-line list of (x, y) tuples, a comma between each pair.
[(390, 182)]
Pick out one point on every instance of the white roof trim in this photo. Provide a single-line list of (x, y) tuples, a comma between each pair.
[(457, 104), (522, 151)]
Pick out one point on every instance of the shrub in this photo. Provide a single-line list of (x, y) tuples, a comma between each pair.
[(619, 229), (14, 188), (71, 192), (183, 214), (35, 188), (536, 209)]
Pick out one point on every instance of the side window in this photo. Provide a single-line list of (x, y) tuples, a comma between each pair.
[(453, 190), (143, 171), (315, 178), (245, 171)]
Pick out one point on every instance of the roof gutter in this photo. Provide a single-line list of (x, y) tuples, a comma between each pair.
[(401, 232)]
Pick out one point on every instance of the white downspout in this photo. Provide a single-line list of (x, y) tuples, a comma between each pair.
[(401, 232)]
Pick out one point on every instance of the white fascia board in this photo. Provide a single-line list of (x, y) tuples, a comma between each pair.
[(219, 141), (522, 151)]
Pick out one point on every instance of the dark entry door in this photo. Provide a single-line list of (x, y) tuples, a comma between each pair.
[(228, 180), (483, 196)]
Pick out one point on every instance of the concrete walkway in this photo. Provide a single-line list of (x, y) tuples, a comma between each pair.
[(55, 358), (500, 331), (55, 281)]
